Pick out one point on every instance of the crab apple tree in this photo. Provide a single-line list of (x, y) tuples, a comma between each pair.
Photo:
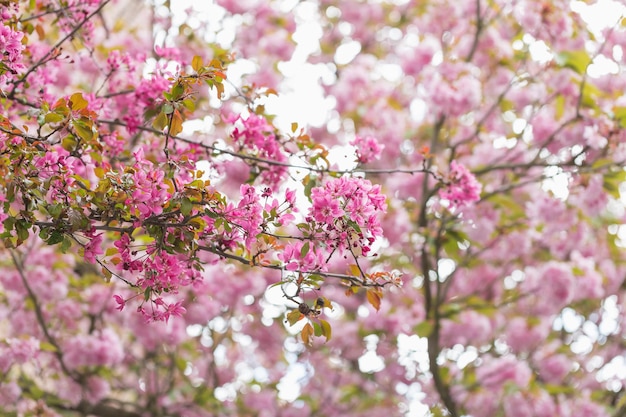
[(312, 208)]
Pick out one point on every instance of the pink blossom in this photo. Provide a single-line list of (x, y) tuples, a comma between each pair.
[(495, 372), (462, 188), (593, 198), (294, 258), (10, 392), (554, 368), (120, 301), (522, 336), (469, 328), (518, 405), (23, 350), (255, 135), (452, 89), (367, 149), (175, 309), (93, 247), (420, 56), (103, 348), (325, 207), (342, 201), (96, 390), (11, 46), (551, 287)]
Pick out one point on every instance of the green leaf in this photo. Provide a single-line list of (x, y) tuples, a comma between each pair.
[(354, 225), (308, 187), (66, 244), (69, 143), (160, 122), (189, 104), (196, 63), (181, 363), (317, 329), (55, 210), (21, 227), (177, 92), (304, 250), (186, 206), (34, 391), (619, 113), (53, 118), (168, 108), (326, 329), (294, 316), (55, 237), (47, 347), (78, 102), (424, 329), (575, 60), (111, 251)]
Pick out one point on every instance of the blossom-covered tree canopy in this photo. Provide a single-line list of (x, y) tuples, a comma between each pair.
[(433, 228)]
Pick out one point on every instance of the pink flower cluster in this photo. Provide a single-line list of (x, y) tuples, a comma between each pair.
[(150, 192), (295, 258), (18, 351), (451, 89), (147, 93), (128, 263), (11, 46), (462, 187), (102, 348), (367, 149), (161, 310), (256, 135), (93, 247), (346, 211), (248, 214), (163, 272)]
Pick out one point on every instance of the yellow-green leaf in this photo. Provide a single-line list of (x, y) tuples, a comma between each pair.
[(47, 347), (111, 251), (326, 329), (423, 329), (620, 114), (575, 60), (83, 131), (53, 118), (78, 102), (160, 121), (196, 63), (294, 316), (186, 206), (69, 143)]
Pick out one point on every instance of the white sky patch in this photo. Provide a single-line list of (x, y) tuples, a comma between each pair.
[(557, 182), (600, 15), (346, 52)]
